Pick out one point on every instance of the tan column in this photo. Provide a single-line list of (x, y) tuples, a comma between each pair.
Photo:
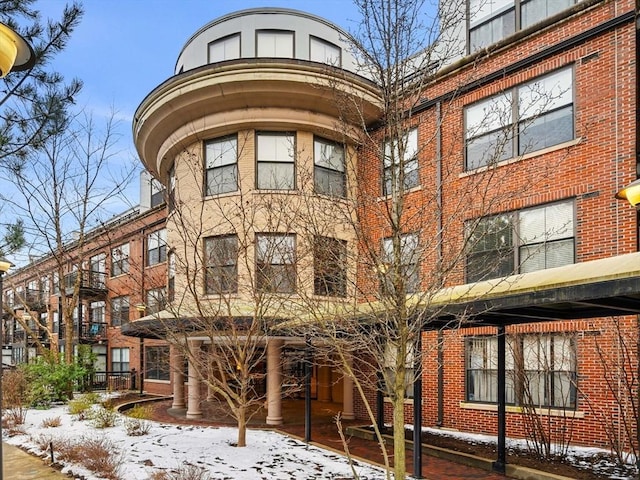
[(177, 382), (193, 396), (274, 381), (324, 384), (347, 395)]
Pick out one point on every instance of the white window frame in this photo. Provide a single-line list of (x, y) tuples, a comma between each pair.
[(226, 48), (276, 155), (275, 43)]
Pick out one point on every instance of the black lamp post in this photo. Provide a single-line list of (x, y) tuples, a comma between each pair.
[(5, 265)]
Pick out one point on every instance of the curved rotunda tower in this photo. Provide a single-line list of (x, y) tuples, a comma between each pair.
[(254, 138)]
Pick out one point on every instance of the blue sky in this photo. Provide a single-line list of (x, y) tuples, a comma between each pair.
[(125, 48)]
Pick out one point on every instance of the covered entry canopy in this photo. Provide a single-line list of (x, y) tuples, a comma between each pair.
[(598, 288)]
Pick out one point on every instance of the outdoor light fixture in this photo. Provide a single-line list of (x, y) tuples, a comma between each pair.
[(631, 193), (15, 53)]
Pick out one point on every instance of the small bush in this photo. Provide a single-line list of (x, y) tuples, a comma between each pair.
[(99, 455), (79, 407), (136, 427), (188, 472), (51, 422), (92, 397), (141, 412), (103, 418)]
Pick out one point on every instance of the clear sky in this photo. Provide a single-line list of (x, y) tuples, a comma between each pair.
[(125, 48)]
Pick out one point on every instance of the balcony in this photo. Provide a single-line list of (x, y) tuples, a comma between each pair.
[(93, 332), (91, 284)]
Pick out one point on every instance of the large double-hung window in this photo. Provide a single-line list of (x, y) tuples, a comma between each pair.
[(400, 163), (275, 152), (531, 239), (329, 168), (275, 263), (530, 117), (221, 254), (221, 165)]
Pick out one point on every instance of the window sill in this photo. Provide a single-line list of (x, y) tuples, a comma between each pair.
[(527, 156), (551, 412), (407, 401), (235, 193), (153, 380)]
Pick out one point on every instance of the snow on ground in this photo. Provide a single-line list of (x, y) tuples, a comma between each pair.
[(268, 455)]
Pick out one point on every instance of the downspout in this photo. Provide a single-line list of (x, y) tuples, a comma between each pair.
[(439, 226)]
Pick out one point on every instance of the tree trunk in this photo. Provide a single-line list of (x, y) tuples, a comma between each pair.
[(242, 426)]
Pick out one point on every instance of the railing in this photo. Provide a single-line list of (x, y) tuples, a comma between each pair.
[(89, 279), (93, 331), (112, 381)]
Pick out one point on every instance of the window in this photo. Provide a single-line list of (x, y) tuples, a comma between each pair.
[(401, 163), (156, 363), (275, 263), (155, 300), (330, 267), (226, 48), (98, 270), (492, 20), (390, 362), (119, 311), (274, 43), (222, 264), (541, 370), (45, 288), (171, 277), (171, 197), (120, 260), (324, 52), (221, 158), (120, 360), (329, 171), (157, 193), (276, 160), (157, 247), (530, 117), (407, 263), (533, 239), (96, 312)]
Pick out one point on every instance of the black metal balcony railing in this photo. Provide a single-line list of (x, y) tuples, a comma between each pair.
[(89, 332), (90, 281)]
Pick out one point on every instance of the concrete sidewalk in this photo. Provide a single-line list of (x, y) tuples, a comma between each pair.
[(19, 465)]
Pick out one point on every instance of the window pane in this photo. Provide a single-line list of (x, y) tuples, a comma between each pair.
[(224, 49), (323, 51), (545, 94), (493, 30), (221, 152), (222, 180), (488, 115), (533, 11), (546, 130), (275, 44), (221, 258), (480, 10), (276, 176), (329, 266), (329, 155)]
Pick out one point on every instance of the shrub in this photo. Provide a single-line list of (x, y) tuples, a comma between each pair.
[(14, 416), (188, 472), (141, 412), (102, 417), (51, 422), (79, 407), (14, 388), (99, 455), (136, 427)]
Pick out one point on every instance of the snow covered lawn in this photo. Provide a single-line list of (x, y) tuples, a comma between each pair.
[(268, 455)]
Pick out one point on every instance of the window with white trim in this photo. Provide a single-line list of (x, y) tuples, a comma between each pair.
[(120, 360), (275, 152), (400, 163), (531, 239), (540, 370), (329, 168), (226, 48), (521, 120), (221, 165)]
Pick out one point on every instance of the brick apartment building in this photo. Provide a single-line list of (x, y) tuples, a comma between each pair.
[(535, 117)]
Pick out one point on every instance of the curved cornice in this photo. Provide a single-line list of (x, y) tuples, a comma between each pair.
[(245, 90)]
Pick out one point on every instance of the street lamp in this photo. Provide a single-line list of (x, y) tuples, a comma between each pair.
[(15, 53), (631, 193), (5, 265)]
